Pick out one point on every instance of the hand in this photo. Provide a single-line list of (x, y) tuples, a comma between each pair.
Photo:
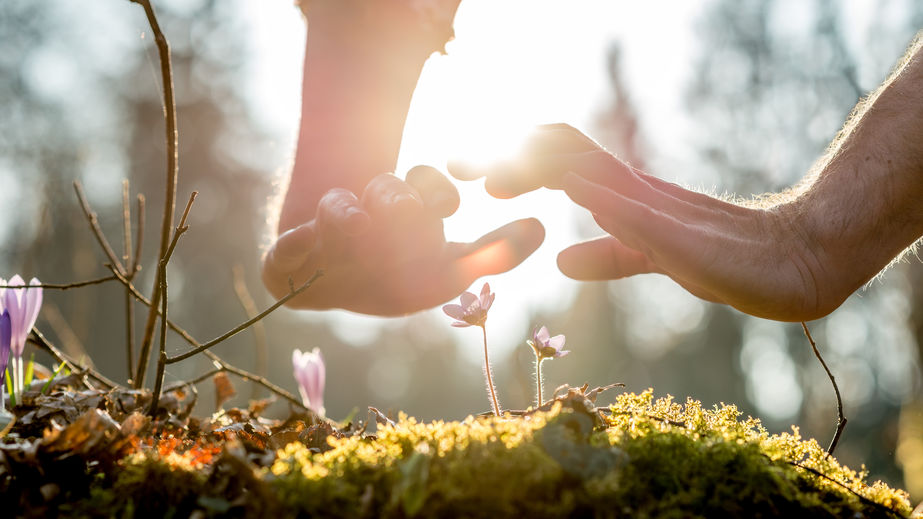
[(757, 260), (385, 253)]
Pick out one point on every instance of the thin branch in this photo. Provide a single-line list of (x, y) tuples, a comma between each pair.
[(172, 139), (127, 260), (67, 286), (39, 340), (211, 355), (247, 324), (841, 419), (136, 264), (162, 268), (94, 226), (259, 330), (862, 498)]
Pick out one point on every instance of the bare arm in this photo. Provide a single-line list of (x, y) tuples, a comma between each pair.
[(379, 239), (796, 258)]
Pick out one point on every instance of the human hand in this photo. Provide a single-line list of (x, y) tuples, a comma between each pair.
[(758, 260), (385, 253)]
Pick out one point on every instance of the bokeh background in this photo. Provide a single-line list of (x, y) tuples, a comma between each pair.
[(724, 95)]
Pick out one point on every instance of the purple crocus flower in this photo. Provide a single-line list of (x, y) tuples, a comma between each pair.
[(310, 373), (5, 336), (23, 305), (473, 310), (545, 346)]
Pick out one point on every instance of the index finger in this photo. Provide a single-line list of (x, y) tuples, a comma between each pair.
[(531, 168)]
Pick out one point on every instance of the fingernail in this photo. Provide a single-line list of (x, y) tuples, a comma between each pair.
[(356, 221)]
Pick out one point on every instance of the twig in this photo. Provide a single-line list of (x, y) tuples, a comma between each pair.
[(247, 324), (39, 340), (841, 419), (862, 498), (67, 286), (94, 226), (172, 139), (136, 263), (162, 271), (127, 260), (211, 355), (259, 330)]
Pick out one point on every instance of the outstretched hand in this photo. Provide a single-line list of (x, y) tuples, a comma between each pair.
[(385, 253), (757, 260)]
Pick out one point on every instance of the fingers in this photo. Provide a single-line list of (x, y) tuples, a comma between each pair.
[(387, 196), (636, 225), (497, 251), (601, 259), (291, 249), (438, 193), (339, 210), (531, 168)]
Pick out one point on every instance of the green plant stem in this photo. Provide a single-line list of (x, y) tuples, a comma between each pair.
[(490, 381), (538, 381)]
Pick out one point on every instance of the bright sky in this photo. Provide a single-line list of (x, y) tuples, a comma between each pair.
[(546, 62)]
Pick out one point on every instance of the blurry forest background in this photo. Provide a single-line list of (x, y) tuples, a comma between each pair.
[(772, 83)]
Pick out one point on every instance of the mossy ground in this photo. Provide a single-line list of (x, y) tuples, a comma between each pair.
[(641, 457)]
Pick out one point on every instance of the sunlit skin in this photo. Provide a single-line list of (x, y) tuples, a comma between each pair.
[(792, 257), (379, 239)]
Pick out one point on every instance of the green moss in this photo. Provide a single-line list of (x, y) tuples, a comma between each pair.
[(655, 458), (643, 457)]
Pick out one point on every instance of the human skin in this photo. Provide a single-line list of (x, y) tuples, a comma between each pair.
[(792, 256), (378, 239)]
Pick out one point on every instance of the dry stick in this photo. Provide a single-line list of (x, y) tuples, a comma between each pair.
[(162, 274), (259, 331), (67, 286), (223, 366), (39, 340), (243, 326), (97, 231), (172, 139), (129, 300), (841, 420), (136, 263)]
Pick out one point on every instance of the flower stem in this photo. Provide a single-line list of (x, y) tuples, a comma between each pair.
[(490, 382), (538, 381)]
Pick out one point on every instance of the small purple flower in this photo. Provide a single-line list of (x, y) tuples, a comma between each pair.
[(473, 310), (23, 304), (5, 336), (547, 347), (310, 373)]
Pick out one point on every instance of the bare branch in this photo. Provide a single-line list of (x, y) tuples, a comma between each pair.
[(127, 260), (136, 264), (39, 340), (211, 355), (94, 226), (162, 270), (247, 324), (67, 286), (172, 139), (841, 419), (259, 330)]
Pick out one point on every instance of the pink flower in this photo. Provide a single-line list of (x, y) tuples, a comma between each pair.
[(23, 305), (310, 373), (547, 347), (473, 310)]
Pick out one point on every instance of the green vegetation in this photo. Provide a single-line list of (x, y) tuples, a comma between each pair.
[(639, 458)]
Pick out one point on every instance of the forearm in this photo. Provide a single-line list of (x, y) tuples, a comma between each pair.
[(866, 204), (361, 65)]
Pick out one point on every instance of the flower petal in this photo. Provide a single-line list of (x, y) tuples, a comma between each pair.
[(454, 311), (556, 342), (542, 336), (561, 354), (467, 299), (461, 324)]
